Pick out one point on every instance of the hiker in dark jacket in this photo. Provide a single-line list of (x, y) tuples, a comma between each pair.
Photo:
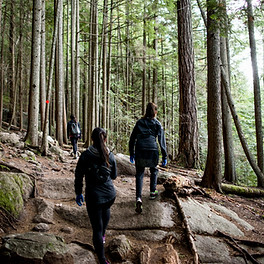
[(97, 164), (143, 149), (74, 133)]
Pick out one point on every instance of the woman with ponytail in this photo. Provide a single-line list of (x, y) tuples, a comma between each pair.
[(98, 165)]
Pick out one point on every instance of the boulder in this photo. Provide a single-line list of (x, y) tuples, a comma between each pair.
[(81, 255), (15, 188), (57, 188), (9, 138), (35, 248), (124, 166), (45, 211)]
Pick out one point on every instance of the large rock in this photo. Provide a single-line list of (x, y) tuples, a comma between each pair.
[(214, 250), (57, 188), (10, 138), (124, 166), (81, 255), (14, 189), (45, 211), (203, 220), (76, 215), (35, 248)]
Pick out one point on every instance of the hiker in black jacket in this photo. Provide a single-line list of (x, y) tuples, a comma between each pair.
[(97, 164), (74, 133), (143, 149)]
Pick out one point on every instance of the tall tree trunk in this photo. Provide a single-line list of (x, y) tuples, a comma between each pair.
[(12, 94), (212, 174), (155, 66), (73, 56), (43, 66), (188, 153), (67, 86), (93, 110), (257, 96), (230, 170), (240, 133), (77, 64), (104, 64), (60, 79), (33, 109), (21, 66), (44, 145), (144, 90), (109, 65), (1, 63)]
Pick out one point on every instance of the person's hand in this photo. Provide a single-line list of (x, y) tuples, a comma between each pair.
[(132, 158), (164, 162), (79, 199)]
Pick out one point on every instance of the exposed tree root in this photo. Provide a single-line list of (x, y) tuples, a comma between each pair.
[(188, 230), (231, 241)]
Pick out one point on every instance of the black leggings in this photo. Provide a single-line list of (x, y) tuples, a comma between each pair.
[(99, 217)]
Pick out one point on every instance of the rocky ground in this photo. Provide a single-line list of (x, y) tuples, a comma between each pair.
[(218, 223)]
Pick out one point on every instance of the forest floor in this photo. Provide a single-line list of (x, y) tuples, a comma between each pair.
[(249, 209)]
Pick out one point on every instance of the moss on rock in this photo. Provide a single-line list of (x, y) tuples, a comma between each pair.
[(14, 188)]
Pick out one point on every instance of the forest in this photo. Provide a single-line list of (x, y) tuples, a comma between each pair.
[(200, 61)]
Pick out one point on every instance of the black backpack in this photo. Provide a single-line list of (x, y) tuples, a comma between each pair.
[(99, 173), (75, 130)]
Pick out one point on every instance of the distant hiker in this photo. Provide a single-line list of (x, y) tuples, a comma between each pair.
[(143, 149), (74, 133), (98, 165)]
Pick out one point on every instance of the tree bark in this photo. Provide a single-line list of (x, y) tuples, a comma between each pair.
[(250, 157), (1, 63), (104, 66), (230, 170), (188, 152), (257, 96), (33, 110), (60, 79), (44, 146), (73, 56), (212, 175), (43, 66), (144, 90), (77, 64)]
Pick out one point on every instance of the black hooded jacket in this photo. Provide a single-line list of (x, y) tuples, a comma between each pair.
[(143, 142), (94, 193)]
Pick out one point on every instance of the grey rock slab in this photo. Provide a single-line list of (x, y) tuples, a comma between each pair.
[(232, 215), (57, 188), (74, 214), (203, 221), (155, 214), (214, 250)]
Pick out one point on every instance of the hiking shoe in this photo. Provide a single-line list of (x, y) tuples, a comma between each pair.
[(103, 239), (153, 195), (139, 206)]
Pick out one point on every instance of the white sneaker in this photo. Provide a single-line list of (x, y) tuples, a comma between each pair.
[(139, 205)]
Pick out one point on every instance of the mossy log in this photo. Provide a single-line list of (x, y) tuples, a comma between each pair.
[(242, 191)]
